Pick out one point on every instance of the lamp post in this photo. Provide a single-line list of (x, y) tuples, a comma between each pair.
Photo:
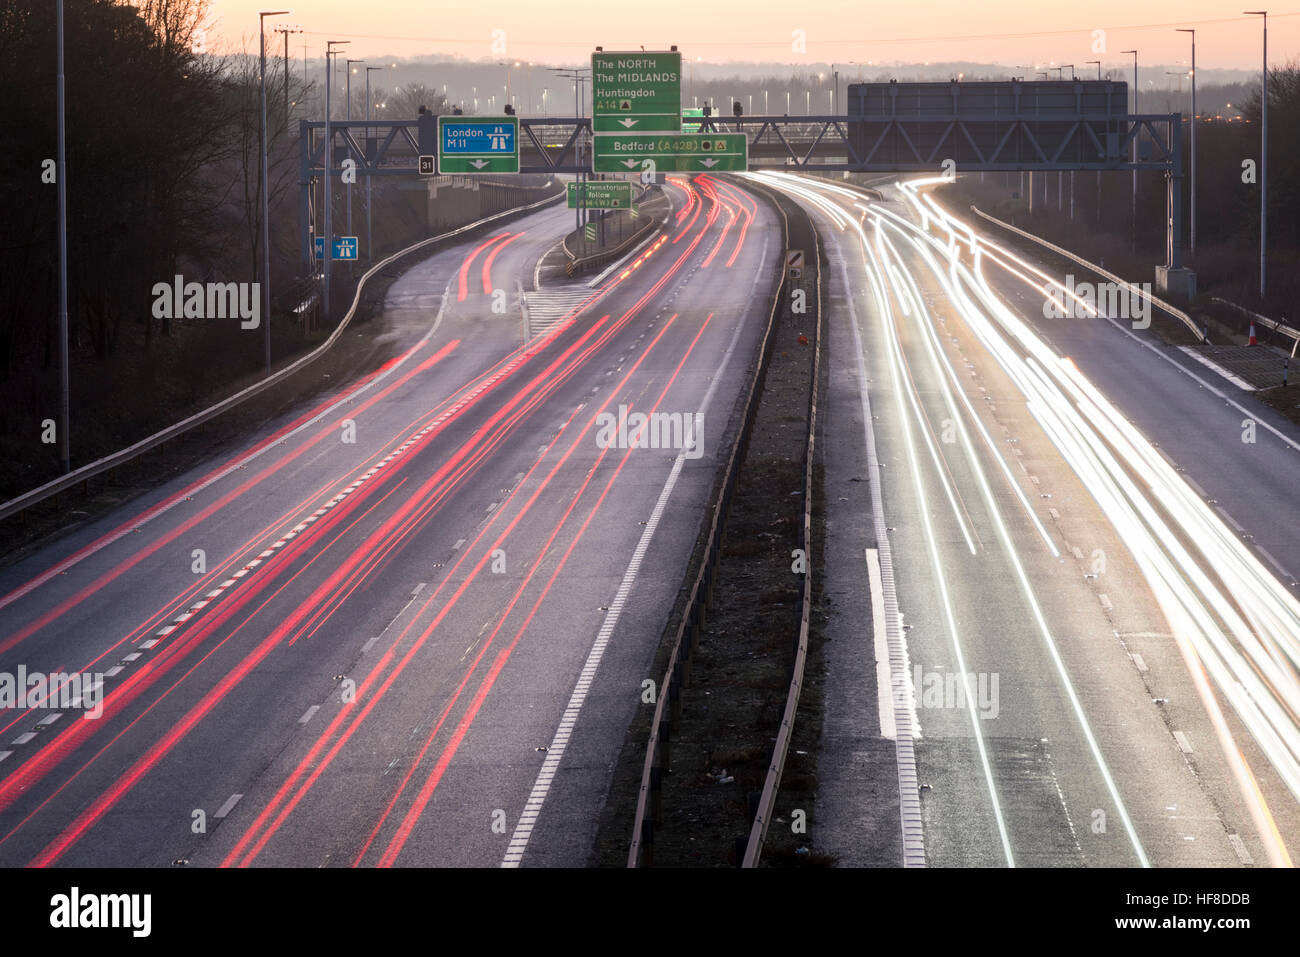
[(348, 116), (576, 74), (1263, 157), (1136, 133), (370, 248), (286, 31), (1072, 79), (1022, 172), (1098, 63), (1192, 198), (65, 440), (327, 257), (266, 199)]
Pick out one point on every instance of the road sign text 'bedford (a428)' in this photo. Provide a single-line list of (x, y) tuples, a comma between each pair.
[(636, 92), (670, 153), (478, 144)]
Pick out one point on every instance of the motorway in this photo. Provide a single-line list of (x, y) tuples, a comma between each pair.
[(1091, 664), (407, 625)]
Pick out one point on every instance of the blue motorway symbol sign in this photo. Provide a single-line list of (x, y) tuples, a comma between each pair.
[(478, 144), (345, 247)]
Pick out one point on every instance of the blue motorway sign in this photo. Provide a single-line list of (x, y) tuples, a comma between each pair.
[(345, 247), (478, 144)]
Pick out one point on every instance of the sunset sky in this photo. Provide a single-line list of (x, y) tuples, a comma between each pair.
[(1012, 32)]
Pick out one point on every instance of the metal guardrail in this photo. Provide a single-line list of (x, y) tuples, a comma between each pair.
[(1265, 321), (1123, 284), (578, 263), (781, 749), (90, 470), (668, 704)]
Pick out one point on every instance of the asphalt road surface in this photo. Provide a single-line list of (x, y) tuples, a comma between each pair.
[(407, 625), (1039, 547)]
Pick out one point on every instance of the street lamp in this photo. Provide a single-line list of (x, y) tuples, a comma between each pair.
[(1058, 179), (1263, 156), (1136, 133), (327, 256), (1098, 63), (266, 200), (370, 249), (65, 440), (348, 116)]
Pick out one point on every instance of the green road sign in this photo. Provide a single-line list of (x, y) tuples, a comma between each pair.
[(638, 91), (692, 119), (671, 153), (600, 195), (478, 144)]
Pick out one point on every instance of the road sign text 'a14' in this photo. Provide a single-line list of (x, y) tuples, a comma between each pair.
[(635, 92)]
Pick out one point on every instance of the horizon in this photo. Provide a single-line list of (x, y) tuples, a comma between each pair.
[(1226, 39)]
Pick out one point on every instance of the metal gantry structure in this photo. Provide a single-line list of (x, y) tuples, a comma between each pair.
[(1024, 133)]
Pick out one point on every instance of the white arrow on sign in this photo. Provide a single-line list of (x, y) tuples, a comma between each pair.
[(478, 164), (631, 164), (709, 163), (628, 123)]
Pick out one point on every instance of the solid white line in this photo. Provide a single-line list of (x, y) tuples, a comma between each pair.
[(542, 785), (880, 642), (905, 724), (1239, 382), (905, 389)]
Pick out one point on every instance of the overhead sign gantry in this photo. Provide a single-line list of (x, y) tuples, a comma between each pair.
[(636, 92), (478, 144)]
